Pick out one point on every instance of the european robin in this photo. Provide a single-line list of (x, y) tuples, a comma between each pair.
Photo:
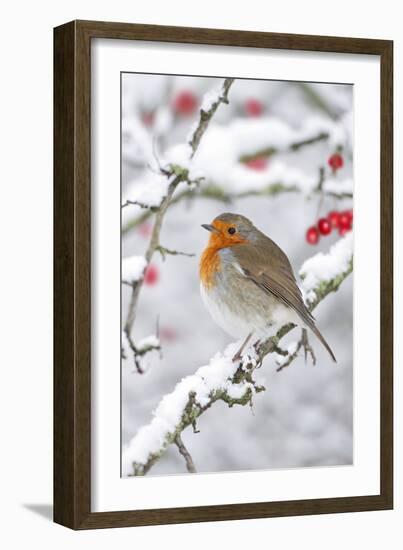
[(247, 282)]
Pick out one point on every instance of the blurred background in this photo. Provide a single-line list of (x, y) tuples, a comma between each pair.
[(305, 416)]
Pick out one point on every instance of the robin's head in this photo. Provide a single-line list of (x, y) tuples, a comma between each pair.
[(229, 229)]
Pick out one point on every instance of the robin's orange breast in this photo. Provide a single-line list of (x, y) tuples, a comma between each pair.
[(210, 264)]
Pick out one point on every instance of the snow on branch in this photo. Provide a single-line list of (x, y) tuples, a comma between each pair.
[(209, 106), (143, 350), (133, 269), (322, 273), (149, 193), (267, 136), (224, 380), (279, 178), (219, 169), (221, 158)]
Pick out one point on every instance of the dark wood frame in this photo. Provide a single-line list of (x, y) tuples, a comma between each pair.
[(72, 319)]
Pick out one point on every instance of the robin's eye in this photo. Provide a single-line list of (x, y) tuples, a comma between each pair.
[(231, 230)]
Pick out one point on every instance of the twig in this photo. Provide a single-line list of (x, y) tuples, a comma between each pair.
[(269, 151), (317, 100), (141, 204), (186, 455), (164, 251), (140, 352), (319, 189)]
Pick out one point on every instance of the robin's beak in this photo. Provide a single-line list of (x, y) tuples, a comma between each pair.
[(210, 228)]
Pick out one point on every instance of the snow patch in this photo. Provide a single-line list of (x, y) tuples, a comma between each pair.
[(179, 155), (325, 267), (337, 185), (211, 97), (291, 349), (148, 342), (133, 268)]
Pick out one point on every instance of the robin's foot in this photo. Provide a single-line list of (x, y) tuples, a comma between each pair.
[(303, 343), (307, 346), (238, 355)]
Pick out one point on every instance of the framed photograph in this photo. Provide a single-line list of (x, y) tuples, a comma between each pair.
[(222, 275)]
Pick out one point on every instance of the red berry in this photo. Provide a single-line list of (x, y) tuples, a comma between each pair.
[(344, 221), (324, 226), (167, 334), (343, 231), (147, 118), (258, 164), (350, 215), (145, 229), (151, 275), (335, 161), (253, 107), (185, 103), (333, 218), (312, 235)]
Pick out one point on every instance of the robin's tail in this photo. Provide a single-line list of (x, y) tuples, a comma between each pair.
[(319, 335)]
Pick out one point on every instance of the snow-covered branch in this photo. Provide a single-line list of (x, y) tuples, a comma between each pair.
[(142, 351), (270, 150), (278, 179), (133, 269), (228, 381), (220, 169), (209, 106), (158, 193)]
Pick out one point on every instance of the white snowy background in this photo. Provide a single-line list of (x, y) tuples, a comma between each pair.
[(305, 416)]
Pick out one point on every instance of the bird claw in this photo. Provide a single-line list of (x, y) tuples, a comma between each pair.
[(307, 347), (238, 355)]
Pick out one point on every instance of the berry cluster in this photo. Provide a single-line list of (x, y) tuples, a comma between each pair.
[(342, 221)]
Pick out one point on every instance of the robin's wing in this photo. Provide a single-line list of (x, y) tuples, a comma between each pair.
[(272, 272), (268, 267)]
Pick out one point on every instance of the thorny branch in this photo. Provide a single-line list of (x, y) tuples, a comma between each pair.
[(168, 251), (139, 352), (138, 203), (215, 192), (269, 151), (243, 376), (176, 176), (206, 116)]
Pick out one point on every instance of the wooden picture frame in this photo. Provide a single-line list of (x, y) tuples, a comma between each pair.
[(72, 272)]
